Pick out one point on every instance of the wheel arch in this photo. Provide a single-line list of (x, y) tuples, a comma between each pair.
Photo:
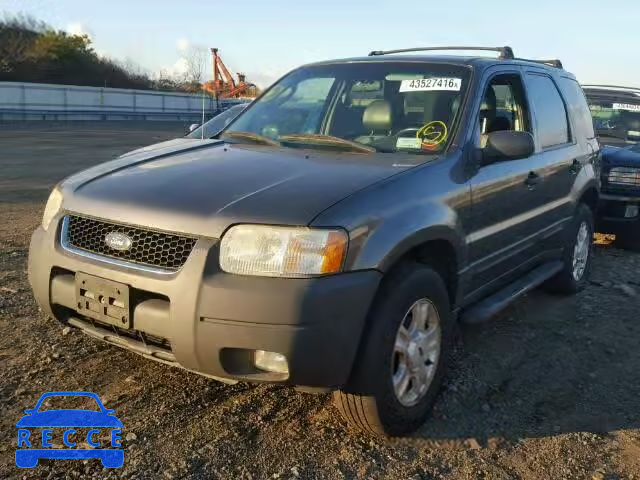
[(590, 198), (438, 250)]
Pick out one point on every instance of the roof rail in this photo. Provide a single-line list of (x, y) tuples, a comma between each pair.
[(552, 63), (617, 87), (506, 53)]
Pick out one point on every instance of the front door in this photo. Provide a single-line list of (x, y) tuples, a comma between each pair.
[(508, 196)]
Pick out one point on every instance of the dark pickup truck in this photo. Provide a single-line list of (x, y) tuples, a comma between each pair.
[(334, 233)]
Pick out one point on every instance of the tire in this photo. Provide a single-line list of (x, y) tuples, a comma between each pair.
[(571, 280), (370, 403)]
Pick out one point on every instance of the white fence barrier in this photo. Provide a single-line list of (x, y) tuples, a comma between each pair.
[(40, 101)]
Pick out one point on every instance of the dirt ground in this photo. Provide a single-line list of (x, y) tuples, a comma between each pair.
[(550, 389)]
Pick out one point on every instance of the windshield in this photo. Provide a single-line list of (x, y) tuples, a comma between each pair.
[(217, 123), (360, 107), (616, 120)]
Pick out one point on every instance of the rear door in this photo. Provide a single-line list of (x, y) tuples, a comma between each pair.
[(562, 154)]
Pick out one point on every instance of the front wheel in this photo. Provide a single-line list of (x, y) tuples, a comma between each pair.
[(577, 255), (402, 360)]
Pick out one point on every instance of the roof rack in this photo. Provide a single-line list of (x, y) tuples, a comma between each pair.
[(617, 87), (506, 53), (552, 63)]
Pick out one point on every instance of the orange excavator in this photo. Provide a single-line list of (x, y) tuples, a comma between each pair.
[(224, 85)]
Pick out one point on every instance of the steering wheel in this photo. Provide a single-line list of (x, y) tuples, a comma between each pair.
[(413, 130)]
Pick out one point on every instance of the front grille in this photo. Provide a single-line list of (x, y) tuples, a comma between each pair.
[(148, 247), (624, 176)]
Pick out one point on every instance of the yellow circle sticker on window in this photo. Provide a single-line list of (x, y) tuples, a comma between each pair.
[(432, 134)]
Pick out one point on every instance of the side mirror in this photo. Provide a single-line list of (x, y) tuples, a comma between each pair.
[(29, 411), (193, 126), (507, 145)]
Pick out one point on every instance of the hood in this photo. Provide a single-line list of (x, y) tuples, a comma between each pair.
[(621, 157), (205, 188)]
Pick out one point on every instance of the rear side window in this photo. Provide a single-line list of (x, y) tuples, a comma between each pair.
[(578, 107), (551, 114)]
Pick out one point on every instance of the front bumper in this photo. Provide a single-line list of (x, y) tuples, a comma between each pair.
[(210, 322), (612, 214)]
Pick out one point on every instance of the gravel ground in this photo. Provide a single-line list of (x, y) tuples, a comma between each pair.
[(550, 389)]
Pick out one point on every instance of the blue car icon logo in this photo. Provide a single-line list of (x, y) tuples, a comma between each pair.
[(30, 450)]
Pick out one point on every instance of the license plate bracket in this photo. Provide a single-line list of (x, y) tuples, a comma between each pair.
[(103, 300), (631, 210)]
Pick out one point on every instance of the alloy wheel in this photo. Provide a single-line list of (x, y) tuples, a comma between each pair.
[(581, 252), (416, 352)]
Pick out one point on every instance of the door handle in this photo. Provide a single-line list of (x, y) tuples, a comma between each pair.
[(532, 180), (575, 167)]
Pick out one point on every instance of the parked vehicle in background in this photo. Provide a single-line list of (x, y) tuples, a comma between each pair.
[(197, 135), (216, 124), (616, 115), (333, 234), (619, 210)]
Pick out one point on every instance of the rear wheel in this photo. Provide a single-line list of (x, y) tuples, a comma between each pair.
[(577, 254), (402, 360)]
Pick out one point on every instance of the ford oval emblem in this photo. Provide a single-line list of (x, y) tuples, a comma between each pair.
[(118, 241)]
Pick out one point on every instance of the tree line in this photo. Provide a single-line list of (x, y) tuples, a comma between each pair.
[(32, 51)]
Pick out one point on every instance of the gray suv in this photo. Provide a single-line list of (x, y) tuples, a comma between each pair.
[(334, 233)]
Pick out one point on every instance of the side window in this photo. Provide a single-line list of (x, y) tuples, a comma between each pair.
[(503, 105), (578, 107), (551, 114)]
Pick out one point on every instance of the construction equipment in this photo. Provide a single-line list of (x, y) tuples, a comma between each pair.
[(224, 85)]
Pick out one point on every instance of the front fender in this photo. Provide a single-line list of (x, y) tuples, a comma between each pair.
[(392, 238), (388, 220)]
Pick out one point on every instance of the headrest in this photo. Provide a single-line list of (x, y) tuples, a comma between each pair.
[(378, 116)]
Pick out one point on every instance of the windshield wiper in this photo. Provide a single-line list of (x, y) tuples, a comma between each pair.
[(252, 137), (326, 140)]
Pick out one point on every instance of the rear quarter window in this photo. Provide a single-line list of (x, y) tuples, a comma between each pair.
[(578, 107)]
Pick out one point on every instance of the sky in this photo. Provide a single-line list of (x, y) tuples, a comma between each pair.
[(598, 41)]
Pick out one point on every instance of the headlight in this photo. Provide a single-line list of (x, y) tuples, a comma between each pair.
[(53, 207), (282, 251), (625, 176)]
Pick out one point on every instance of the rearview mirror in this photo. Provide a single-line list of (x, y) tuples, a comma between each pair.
[(193, 126), (507, 145)]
